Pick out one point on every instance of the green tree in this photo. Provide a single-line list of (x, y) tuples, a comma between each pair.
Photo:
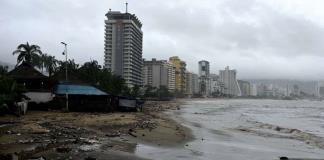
[(163, 93), (71, 65), (135, 91), (91, 72), (49, 63), (28, 53), (150, 91), (111, 83)]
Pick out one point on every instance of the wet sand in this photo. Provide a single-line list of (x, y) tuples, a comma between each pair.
[(74, 135)]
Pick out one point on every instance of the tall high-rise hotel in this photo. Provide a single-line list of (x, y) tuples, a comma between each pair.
[(123, 46)]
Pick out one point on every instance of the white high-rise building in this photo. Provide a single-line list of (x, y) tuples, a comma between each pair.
[(320, 89), (195, 83), (171, 76), (155, 73), (189, 88), (253, 90), (228, 78), (123, 46)]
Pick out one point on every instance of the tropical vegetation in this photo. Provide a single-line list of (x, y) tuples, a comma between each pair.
[(28, 53)]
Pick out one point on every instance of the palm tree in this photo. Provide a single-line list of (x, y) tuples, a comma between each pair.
[(28, 53), (49, 63)]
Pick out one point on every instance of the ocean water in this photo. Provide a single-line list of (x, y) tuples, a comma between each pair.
[(242, 129)]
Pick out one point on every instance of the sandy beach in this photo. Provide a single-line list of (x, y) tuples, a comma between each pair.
[(75, 135)]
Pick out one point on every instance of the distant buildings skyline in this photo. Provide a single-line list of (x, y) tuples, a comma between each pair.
[(123, 56)]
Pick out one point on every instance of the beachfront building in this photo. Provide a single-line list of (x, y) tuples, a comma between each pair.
[(215, 86), (320, 89), (195, 83), (37, 86), (155, 73), (245, 88), (204, 78), (180, 73), (228, 78), (253, 90), (171, 76), (189, 89), (123, 46)]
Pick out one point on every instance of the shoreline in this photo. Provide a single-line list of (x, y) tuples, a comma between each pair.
[(168, 132), (73, 135)]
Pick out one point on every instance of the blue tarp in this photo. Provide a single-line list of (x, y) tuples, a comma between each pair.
[(78, 90)]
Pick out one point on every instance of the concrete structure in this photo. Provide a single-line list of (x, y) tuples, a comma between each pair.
[(320, 89), (228, 78), (204, 79), (295, 90), (253, 90), (189, 88), (215, 87), (203, 69), (245, 88), (123, 46), (155, 73), (264, 90), (194, 83), (171, 76), (180, 73)]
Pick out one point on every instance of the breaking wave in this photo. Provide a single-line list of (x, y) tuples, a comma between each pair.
[(270, 130)]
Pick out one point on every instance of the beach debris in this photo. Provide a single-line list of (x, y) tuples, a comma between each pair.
[(116, 134), (147, 125), (130, 132), (88, 148), (37, 158), (89, 158), (8, 156), (177, 127), (63, 149)]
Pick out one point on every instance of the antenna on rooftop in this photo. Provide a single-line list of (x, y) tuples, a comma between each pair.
[(126, 7)]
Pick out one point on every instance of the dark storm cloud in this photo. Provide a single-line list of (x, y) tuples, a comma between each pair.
[(259, 39)]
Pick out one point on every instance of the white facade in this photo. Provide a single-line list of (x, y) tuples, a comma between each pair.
[(195, 83), (123, 46), (189, 90), (155, 73), (253, 90), (171, 76), (228, 78), (320, 89), (39, 97), (214, 84)]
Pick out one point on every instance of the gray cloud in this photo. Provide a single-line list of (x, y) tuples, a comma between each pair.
[(260, 40)]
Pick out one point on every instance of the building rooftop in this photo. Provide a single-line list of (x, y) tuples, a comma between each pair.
[(26, 71), (115, 15), (78, 90)]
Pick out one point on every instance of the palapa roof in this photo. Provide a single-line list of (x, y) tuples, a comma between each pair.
[(26, 71)]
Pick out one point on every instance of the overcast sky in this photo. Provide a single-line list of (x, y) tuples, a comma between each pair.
[(260, 39)]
